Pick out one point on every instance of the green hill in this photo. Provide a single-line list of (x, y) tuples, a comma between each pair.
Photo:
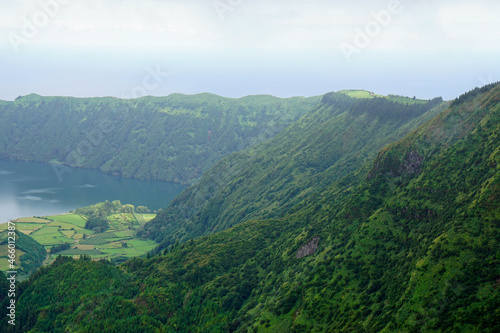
[(265, 181), (368, 94), (174, 138), (408, 242), (29, 254)]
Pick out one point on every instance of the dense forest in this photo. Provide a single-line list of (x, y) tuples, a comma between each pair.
[(174, 138), (265, 181), (404, 240)]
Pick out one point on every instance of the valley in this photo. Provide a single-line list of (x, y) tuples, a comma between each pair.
[(259, 166), (367, 214)]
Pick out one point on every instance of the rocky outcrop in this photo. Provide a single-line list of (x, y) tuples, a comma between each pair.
[(308, 249), (412, 162), (395, 163)]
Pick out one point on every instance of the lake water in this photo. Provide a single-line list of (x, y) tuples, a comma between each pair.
[(36, 189)]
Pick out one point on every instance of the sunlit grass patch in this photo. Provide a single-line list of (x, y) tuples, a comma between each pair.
[(73, 219)]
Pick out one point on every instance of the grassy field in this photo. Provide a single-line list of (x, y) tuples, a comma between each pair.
[(99, 239), (31, 220), (29, 224), (118, 241), (394, 98), (124, 233), (403, 100), (73, 219), (49, 236), (359, 94), (28, 228)]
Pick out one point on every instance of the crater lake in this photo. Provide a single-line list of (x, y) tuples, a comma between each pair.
[(36, 189)]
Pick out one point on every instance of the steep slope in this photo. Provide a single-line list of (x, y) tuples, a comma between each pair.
[(29, 253), (265, 181), (174, 138), (407, 243)]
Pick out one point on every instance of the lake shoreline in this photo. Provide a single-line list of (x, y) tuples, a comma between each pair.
[(34, 189)]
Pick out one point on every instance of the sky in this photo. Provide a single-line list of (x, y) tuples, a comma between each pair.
[(234, 48)]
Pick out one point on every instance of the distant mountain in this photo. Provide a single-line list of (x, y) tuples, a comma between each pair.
[(265, 181), (174, 138)]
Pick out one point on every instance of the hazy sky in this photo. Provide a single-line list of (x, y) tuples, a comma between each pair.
[(240, 47)]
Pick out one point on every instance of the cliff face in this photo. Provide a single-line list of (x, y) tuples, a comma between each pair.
[(308, 249), (465, 115), (398, 164)]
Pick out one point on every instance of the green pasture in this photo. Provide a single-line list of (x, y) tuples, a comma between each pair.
[(124, 233), (404, 100), (359, 94), (28, 227), (98, 239), (73, 219), (136, 247), (139, 218), (65, 225), (369, 95), (49, 236), (148, 217), (70, 228), (31, 220)]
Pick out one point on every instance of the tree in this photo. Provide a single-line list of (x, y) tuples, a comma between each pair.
[(59, 248), (143, 210), (97, 222), (117, 205), (128, 208)]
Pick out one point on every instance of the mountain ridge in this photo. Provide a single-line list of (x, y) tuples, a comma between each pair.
[(406, 247), (297, 162), (174, 138)]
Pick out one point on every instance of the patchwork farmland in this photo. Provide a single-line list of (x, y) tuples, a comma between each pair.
[(117, 243)]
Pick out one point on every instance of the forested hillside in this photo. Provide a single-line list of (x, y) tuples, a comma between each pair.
[(266, 180), (406, 243), (174, 138)]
